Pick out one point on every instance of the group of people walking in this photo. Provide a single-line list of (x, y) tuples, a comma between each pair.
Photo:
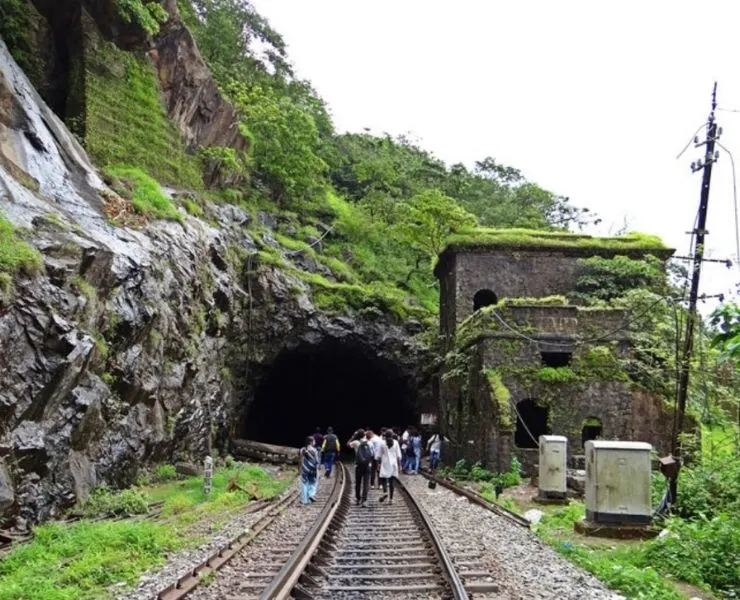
[(378, 459)]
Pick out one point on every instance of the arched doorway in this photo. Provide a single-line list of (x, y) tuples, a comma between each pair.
[(484, 298), (531, 423), (591, 429), (334, 383)]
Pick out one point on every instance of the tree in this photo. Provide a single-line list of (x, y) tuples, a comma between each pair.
[(726, 321), (429, 218)]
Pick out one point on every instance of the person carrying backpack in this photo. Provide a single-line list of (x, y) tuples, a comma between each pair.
[(309, 471), (329, 450), (363, 464)]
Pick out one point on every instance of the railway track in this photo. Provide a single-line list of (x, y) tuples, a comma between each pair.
[(379, 551), (279, 544)]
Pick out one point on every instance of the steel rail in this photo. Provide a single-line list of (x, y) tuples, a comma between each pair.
[(450, 573), (479, 500), (283, 583), (187, 583)]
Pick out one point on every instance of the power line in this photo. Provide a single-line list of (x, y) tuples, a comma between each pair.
[(734, 203), (602, 337), (691, 139)]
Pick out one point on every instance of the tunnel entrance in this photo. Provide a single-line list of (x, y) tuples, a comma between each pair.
[(334, 383)]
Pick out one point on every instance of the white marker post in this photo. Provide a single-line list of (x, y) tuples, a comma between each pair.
[(207, 475)]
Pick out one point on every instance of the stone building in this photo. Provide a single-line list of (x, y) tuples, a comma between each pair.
[(522, 359)]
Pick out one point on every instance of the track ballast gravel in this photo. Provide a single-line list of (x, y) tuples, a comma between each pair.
[(183, 562), (523, 567)]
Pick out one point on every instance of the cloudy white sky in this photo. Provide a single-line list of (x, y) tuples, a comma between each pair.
[(592, 100)]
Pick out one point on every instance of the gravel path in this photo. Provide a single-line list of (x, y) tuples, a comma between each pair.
[(523, 566), (185, 561)]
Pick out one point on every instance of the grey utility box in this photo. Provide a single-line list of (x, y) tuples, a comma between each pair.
[(553, 455), (618, 482)]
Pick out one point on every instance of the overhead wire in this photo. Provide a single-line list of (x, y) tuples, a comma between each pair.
[(602, 337), (734, 203)]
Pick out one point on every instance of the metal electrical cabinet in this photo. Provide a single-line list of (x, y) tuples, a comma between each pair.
[(618, 482), (553, 458)]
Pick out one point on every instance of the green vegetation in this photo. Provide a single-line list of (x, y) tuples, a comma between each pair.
[(103, 502), (126, 121), (164, 473), (16, 255), (501, 394), (557, 375), (478, 474), (148, 14), (514, 238), (144, 192), (82, 560), (18, 21)]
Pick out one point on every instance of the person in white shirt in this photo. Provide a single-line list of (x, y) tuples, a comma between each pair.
[(390, 465), (404, 446), (434, 447), (375, 442)]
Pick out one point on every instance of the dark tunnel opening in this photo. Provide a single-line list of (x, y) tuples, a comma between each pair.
[(334, 383)]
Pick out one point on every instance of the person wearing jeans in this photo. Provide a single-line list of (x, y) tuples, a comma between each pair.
[(309, 471), (415, 442), (362, 469), (434, 445)]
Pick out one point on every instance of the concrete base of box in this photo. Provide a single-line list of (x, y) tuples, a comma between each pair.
[(550, 497), (616, 531)]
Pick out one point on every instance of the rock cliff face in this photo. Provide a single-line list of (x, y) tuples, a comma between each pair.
[(133, 345)]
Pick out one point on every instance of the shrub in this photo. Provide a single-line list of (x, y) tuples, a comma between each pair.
[(104, 501), (145, 193), (701, 552), (165, 473)]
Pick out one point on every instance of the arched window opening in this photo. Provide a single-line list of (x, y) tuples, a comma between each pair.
[(531, 423), (484, 298), (591, 430)]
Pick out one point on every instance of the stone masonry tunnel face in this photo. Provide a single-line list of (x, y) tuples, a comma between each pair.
[(334, 383)]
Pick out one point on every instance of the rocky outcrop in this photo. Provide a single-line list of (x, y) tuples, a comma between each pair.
[(114, 357), (192, 98)]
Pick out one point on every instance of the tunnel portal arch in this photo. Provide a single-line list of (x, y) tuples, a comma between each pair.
[(338, 383)]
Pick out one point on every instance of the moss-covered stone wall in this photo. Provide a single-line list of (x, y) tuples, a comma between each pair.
[(125, 118)]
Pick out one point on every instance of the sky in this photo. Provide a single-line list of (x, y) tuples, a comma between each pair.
[(591, 100)]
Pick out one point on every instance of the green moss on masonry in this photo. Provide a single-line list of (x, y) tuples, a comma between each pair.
[(126, 121), (513, 238), (557, 375), (502, 396), (20, 25)]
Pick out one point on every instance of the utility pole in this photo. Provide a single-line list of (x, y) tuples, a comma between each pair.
[(698, 254)]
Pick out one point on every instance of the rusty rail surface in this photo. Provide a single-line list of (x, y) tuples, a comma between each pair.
[(282, 585), (479, 500), (189, 582)]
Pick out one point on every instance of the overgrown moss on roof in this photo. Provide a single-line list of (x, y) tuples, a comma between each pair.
[(482, 238)]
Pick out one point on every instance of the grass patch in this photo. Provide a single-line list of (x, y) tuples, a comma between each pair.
[(81, 561), (145, 193), (78, 562), (16, 255), (193, 208)]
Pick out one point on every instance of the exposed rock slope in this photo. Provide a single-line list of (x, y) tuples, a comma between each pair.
[(132, 344)]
